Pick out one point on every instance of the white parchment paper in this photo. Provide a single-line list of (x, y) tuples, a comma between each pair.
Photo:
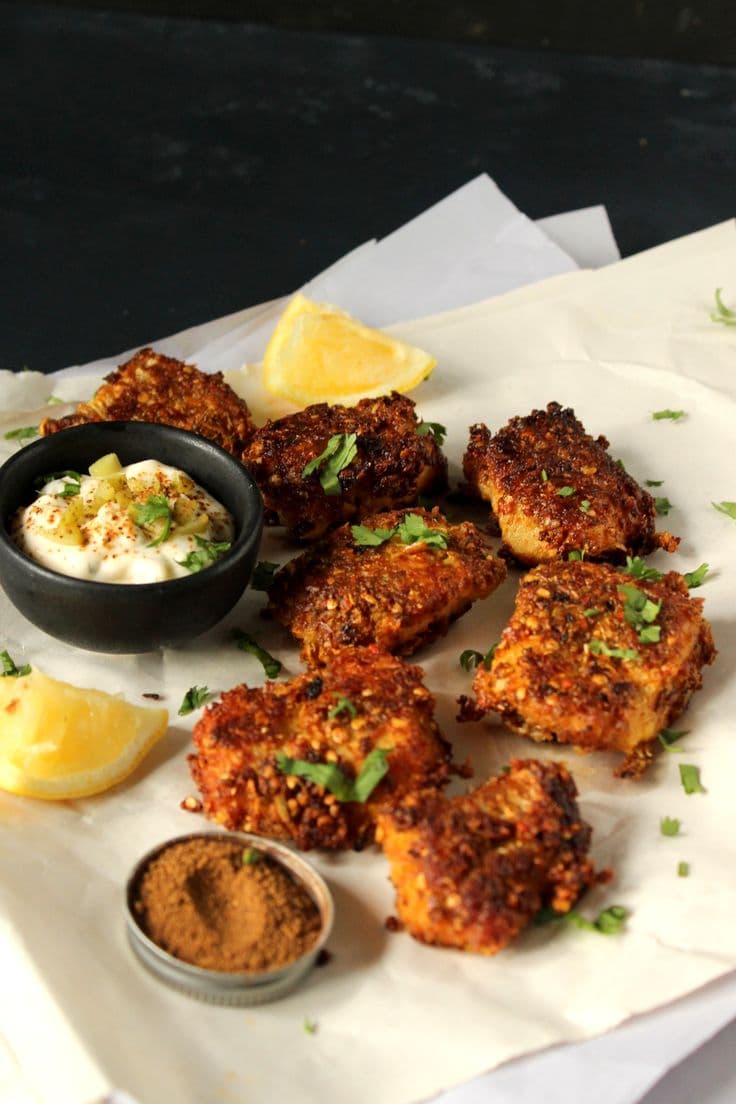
[(398, 1021)]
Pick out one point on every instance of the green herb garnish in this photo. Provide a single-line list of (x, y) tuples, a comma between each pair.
[(263, 574), (545, 477), (683, 869), (333, 779), (24, 433), (722, 312), (433, 429), (696, 578), (155, 507), (576, 554), (662, 506), (640, 612), (584, 506), (342, 705), (609, 921), (371, 538), (246, 643), (251, 856), (727, 508), (412, 530), (195, 697), (690, 778), (668, 736), (310, 1027), (340, 451), (671, 415), (9, 668), (599, 647), (654, 482), (54, 400), (207, 553), (565, 492), (638, 569), (592, 611), (669, 826), (470, 658)]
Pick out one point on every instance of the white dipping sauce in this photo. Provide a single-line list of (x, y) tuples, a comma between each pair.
[(113, 548)]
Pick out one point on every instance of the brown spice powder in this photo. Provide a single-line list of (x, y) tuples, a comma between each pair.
[(207, 902)]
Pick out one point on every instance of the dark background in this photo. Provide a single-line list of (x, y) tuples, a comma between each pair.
[(159, 171)]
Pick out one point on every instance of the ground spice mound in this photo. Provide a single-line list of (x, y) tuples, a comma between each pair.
[(224, 906)]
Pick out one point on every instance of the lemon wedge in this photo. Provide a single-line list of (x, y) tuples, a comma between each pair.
[(318, 353), (59, 741)]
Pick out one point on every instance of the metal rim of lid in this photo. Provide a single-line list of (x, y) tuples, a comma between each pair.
[(225, 987)]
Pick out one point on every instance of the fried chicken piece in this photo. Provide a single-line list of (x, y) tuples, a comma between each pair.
[(364, 700), (553, 488), (396, 595), (154, 388), (395, 462), (471, 872), (579, 663)]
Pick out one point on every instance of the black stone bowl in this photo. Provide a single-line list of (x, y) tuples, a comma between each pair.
[(135, 617)]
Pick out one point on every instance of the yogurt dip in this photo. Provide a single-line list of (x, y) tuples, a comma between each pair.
[(144, 523)]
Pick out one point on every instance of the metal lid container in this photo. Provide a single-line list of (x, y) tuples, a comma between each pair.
[(225, 987)]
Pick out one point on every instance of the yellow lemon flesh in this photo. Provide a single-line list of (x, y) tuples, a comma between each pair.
[(318, 353), (59, 741)]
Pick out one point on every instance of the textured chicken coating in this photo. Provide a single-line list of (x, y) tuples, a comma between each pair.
[(471, 872), (553, 488), (154, 388), (395, 462), (365, 699), (579, 664), (397, 595)]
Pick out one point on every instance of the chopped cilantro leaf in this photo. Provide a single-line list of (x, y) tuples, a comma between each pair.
[(662, 506), (208, 552), (576, 554), (592, 611), (696, 578), (412, 530), (23, 433), (654, 482), (722, 313), (668, 736), (310, 1027), (371, 538), (432, 429), (671, 415), (727, 508), (470, 658), (640, 612), (339, 453), (690, 778), (669, 826), (263, 574), (251, 856), (683, 869), (585, 506), (9, 668), (565, 492), (620, 464), (638, 569), (545, 477), (195, 697), (342, 705), (155, 507), (329, 775), (246, 643)]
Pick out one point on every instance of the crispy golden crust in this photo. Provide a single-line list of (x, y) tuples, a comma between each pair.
[(154, 388), (238, 738), (547, 682), (524, 467), (393, 466), (397, 596), (470, 872)]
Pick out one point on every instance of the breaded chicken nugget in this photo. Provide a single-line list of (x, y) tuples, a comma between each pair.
[(398, 580), (598, 659), (471, 872), (154, 388), (393, 461), (347, 723), (553, 488)]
